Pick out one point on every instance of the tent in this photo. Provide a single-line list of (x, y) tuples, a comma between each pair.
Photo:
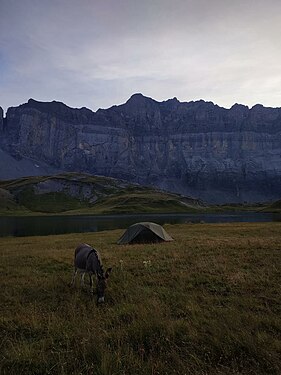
[(145, 232)]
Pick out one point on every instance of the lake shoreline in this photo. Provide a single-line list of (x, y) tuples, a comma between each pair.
[(192, 210), (22, 226)]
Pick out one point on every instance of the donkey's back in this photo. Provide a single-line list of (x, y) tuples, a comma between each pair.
[(87, 258), (81, 247)]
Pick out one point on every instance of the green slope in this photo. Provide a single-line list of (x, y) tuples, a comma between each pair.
[(274, 207), (85, 194)]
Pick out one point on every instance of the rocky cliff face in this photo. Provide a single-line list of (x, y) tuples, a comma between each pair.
[(1, 120), (196, 148)]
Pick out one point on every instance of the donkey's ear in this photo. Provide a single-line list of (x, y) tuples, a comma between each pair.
[(107, 273)]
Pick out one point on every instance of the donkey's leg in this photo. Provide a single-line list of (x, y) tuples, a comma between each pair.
[(91, 283), (73, 277), (82, 279)]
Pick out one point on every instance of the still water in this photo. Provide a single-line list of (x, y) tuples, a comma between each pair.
[(45, 225)]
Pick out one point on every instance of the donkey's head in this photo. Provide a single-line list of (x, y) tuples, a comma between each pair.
[(102, 284)]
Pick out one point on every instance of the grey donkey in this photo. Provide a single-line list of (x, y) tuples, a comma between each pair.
[(88, 260)]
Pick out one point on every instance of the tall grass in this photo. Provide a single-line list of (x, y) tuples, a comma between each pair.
[(208, 303)]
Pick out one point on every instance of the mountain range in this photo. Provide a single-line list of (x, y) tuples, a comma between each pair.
[(193, 148)]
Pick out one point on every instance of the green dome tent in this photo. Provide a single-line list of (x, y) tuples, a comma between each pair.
[(145, 232)]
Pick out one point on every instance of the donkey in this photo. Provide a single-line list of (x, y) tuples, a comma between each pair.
[(88, 260)]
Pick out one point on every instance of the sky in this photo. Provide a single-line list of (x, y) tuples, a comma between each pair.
[(97, 53)]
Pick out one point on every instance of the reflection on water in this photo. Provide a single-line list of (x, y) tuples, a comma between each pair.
[(44, 225)]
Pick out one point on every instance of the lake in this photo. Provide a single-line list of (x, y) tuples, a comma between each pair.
[(44, 225)]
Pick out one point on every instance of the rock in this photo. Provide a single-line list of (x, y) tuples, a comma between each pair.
[(16, 166), (197, 148)]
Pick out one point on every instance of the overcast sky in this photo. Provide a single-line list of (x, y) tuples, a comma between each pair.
[(97, 53)]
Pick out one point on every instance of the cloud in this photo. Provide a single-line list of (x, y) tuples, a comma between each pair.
[(97, 53)]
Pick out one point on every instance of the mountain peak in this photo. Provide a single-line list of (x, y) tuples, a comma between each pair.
[(239, 107), (139, 98), (54, 106), (139, 103)]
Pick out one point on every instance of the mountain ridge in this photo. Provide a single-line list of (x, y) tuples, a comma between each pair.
[(33, 103), (194, 148)]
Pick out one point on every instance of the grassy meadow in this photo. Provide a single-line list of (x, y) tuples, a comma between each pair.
[(207, 303)]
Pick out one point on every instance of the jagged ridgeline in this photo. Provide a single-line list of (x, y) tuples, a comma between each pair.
[(87, 194), (197, 149)]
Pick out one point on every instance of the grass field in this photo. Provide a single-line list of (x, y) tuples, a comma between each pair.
[(209, 303)]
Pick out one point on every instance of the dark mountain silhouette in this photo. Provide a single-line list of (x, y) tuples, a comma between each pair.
[(195, 148)]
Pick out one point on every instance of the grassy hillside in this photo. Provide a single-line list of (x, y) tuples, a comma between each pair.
[(274, 207), (85, 194), (7, 201), (209, 303), (276, 204)]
